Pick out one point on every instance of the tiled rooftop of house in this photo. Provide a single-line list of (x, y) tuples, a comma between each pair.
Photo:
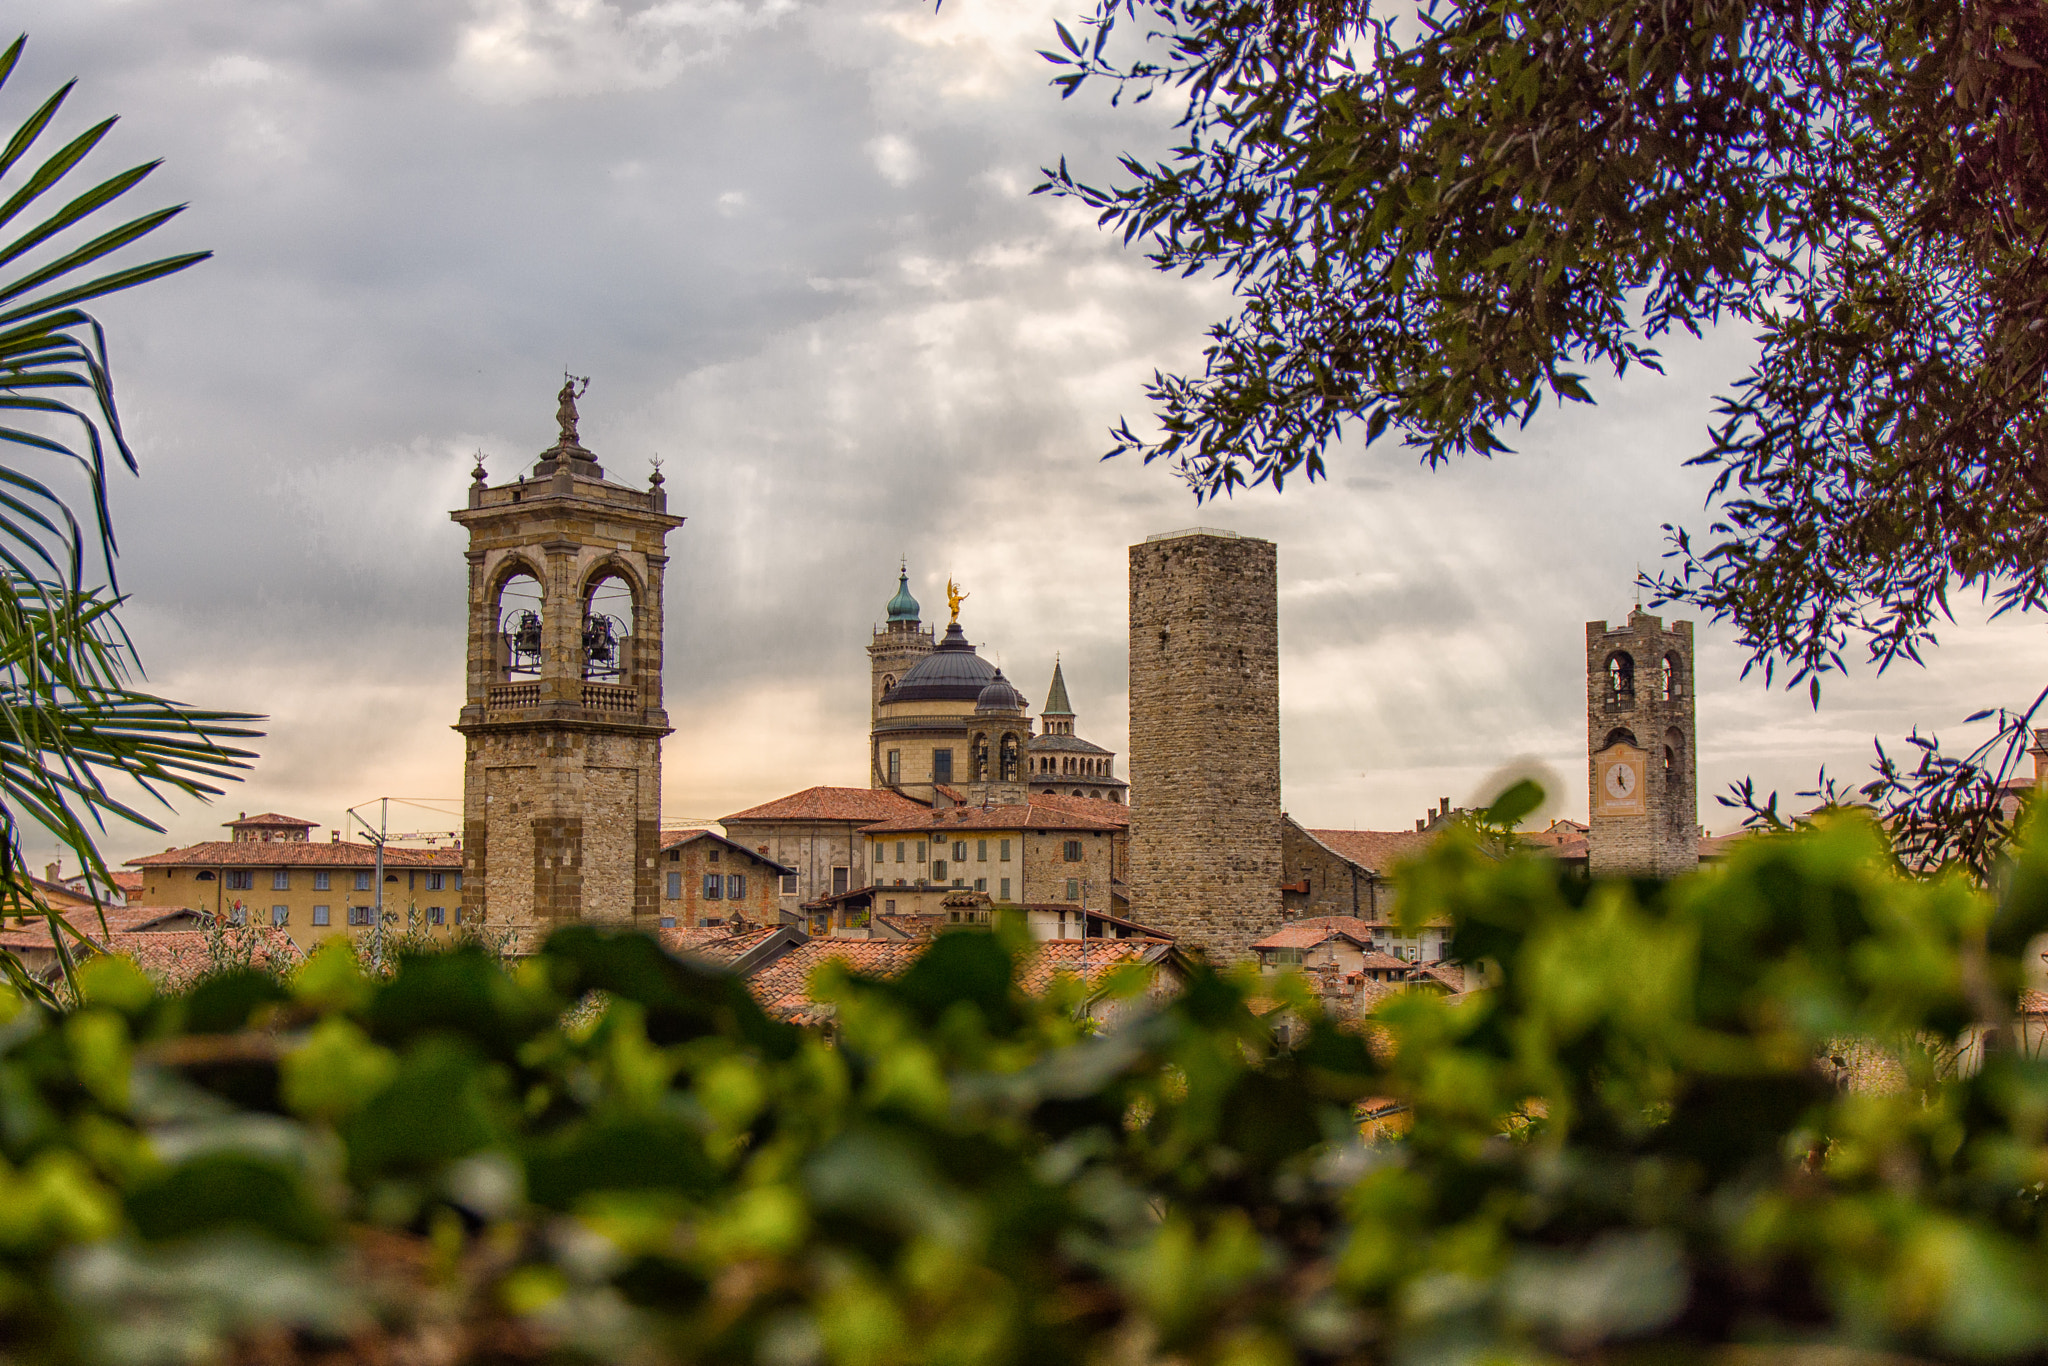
[(1307, 933), (313, 854), (1090, 960), (784, 987), (831, 804), (176, 958), (1376, 850), (715, 944), (271, 818)]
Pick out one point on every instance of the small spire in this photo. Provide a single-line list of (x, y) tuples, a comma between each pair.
[(655, 479), (476, 475)]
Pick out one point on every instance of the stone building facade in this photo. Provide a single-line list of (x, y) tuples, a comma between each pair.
[(1040, 852), (816, 834), (272, 874), (707, 879), (563, 718), (1205, 739), (1641, 734)]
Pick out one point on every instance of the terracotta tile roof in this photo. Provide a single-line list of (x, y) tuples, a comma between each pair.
[(861, 804), (176, 958), (1091, 960), (715, 943), (313, 854), (784, 987), (1376, 851), (1102, 809), (672, 838), (1039, 813), (1306, 934), (128, 882), (1383, 962), (270, 818)]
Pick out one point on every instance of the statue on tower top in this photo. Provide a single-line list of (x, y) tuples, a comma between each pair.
[(954, 597), (573, 387)]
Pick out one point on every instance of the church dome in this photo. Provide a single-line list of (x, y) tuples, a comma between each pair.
[(951, 673), (903, 607), (999, 696)]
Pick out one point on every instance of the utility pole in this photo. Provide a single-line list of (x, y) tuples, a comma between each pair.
[(378, 838)]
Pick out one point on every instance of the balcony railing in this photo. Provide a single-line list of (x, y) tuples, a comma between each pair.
[(506, 696), (608, 697)]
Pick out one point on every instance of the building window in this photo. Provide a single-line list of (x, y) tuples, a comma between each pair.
[(322, 915), (359, 915), (959, 851), (1287, 958), (939, 870), (942, 765), (895, 768), (921, 855), (960, 882), (437, 915), (668, 922), (899, 851), (241, 882), (1073, 889), (839, 880), (981, 884), (714, 887), (362, 882), (736, 886), (1005, 851), (458, 909), (711, 855), (1073, 851), (888, 908), (1004, 894), (280, 915), (900, 882), (437, 882), (675, 886), (789, 884), (322, 881), (281, 880)]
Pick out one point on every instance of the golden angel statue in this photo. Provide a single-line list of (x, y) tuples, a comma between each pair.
[(954, 597)]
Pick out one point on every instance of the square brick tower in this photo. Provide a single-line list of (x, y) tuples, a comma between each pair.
[(561, 785), (1641, 751), (1205, 739)]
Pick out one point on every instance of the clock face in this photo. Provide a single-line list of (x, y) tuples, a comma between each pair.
[(1621, 781)]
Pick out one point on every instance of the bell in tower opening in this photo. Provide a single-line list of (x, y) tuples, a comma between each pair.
[(563, 720)]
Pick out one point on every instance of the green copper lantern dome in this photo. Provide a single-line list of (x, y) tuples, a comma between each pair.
[(903, 607)]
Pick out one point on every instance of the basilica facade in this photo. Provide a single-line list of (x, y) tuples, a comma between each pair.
[(943, 720)]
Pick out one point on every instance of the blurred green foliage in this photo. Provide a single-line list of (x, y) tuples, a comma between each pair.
[(1636, 1142)]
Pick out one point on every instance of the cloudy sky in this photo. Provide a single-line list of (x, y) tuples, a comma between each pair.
[(793, 243)]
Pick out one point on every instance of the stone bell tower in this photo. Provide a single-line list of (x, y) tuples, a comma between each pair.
[(561, 788), (1641, 751)]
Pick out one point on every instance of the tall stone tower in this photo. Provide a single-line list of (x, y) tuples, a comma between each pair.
[(1641, 748), (1205, 739), (897, 645), (561, 788)]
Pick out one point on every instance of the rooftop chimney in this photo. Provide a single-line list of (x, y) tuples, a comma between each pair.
[(53, 871)]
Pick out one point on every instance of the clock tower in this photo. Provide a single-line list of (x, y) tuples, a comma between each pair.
[(1640, 741)]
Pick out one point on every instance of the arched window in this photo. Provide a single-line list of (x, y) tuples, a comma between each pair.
[(1621, 676), (1670, 679), (1010, 752), (1674, 749), (888, 682), (519, 608), (981, 758), (1620, 735), (608, 617)]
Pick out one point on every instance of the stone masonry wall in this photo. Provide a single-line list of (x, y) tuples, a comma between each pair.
[(1334, 886), (1663, 839), (1205, 740)]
